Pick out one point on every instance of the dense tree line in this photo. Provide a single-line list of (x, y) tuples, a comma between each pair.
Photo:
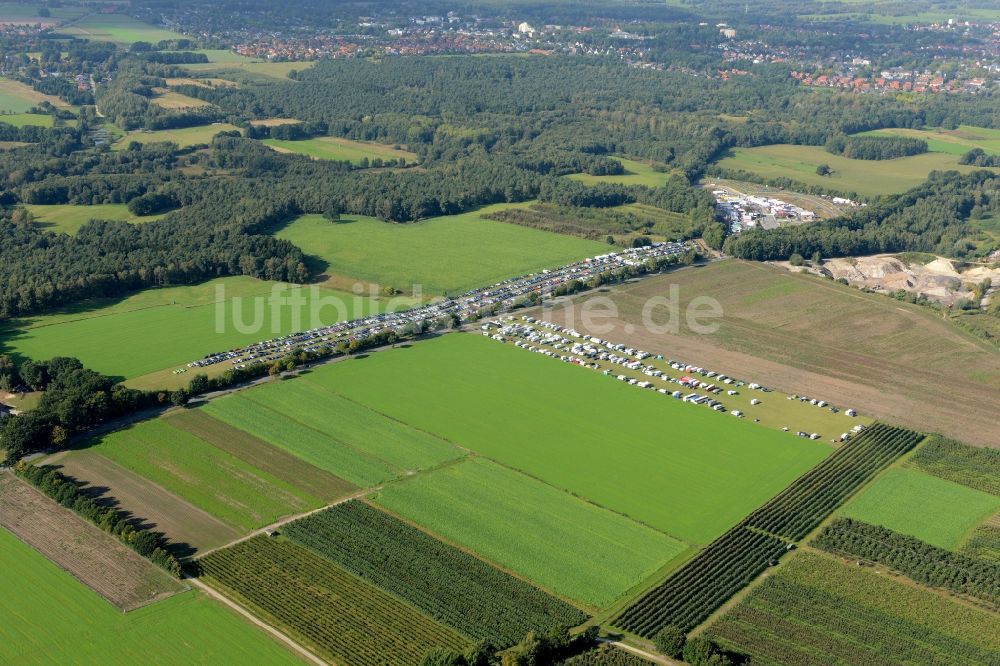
[(486, 130), (930, 218), (75, 399), (65, 491), (127, 100), (980, 158), (920, 561), (875, 147)]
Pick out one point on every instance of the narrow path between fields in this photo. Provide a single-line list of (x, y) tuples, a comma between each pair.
[(278, 635), (651, 656)]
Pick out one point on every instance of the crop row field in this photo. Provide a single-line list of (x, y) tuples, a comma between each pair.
[(204, 482), (984, 543), (922, 562), (865, 177), (94, 557), (50, 617), (335, 613), (213, 480), (689, 596), (690, 473), (216, 475), (331, 432), (818, 610), (441, 255), (705, 583), (937, 511), (563, 543), (447, 584), (973, 467), (804, 504), (255, 451), (344, 150), (180, 323)]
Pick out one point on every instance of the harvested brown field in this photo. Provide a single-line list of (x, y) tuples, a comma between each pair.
[(260, 454), (807, 335), (96, 558), (188, 528)]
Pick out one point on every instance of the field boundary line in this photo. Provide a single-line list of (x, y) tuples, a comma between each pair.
[(358, 494), (590, 610), (275, 633), (652, 656), (474, 453), (352, 447)]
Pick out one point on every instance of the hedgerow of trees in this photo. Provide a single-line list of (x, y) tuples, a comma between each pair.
[(64, 490)]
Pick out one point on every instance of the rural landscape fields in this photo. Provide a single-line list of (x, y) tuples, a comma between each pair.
[(341, 339), (813, 336)]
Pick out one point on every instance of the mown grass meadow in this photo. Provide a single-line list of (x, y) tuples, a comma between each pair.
[(50, 617)]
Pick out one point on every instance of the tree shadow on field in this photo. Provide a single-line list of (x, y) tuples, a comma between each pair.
[(103, 497)]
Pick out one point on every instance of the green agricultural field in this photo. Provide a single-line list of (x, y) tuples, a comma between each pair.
[(237, 68), (118, 28), (817, 610), (24, 119), (67, 218), (689, 472), (170, 327), (939, 512), (345, 421), (448, 584), (331, 432), (17, 98), (449, 254), (866, 177), (335, 148), (315, 447), (341, 617), (187, 136), (955, 142), (80, 627), (169, 99), (260, 454), (561, 542), (209, 478), (975, 467), (636, 173)]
